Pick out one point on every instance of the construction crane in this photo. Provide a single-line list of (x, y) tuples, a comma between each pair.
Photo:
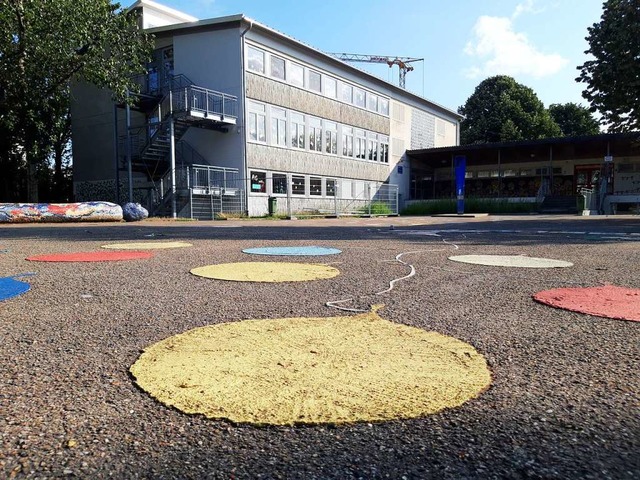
[(401, 62)]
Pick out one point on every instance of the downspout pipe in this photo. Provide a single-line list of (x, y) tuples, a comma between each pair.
[(244, 113)]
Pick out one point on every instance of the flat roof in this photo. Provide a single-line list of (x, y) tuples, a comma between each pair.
[(559, 148)]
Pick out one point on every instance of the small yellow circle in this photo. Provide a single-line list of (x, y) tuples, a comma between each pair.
[(311, 370), (267, 272), (146, 245)]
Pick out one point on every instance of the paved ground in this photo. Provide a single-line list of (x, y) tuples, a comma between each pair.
[(564, 401)]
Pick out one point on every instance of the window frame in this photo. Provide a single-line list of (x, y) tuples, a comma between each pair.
[(252, 49), (277, 177), (295, 185), (264, 181), (318, 191)]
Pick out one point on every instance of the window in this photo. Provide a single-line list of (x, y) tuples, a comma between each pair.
[(278, 126), (330, 86), (295, 74), (509, 173), (372, 102), (315, 186), (468, 174), (358, 97), (383, 106), (277, 67), (360, 144), (258, 182), (297, 185), (347, 141), (483, 174), (346, 93), (297, 130), (255, 59), (279, 183), (384, 148), (315, 134), (373, 147), (331, 137), (331, 187), (314, 81), (257, 122)]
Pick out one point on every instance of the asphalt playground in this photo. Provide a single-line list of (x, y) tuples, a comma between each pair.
[(563, 399)]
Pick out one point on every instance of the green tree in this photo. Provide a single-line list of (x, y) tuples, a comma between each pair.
[(45, 45), (573, 119), (613, 88), (501, 110)]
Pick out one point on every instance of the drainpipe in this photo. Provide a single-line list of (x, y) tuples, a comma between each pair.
[(242, 98), (172, 158)]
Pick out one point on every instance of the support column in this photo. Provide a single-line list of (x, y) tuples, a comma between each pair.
[(499, 174), (116, 149), (129, 166), (172, 155)]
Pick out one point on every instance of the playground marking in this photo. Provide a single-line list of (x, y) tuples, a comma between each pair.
[(99, 256), (10, 288), (271, 272), (311, 371), (609, 301), (292, 251), (518, 261), (146, 245)]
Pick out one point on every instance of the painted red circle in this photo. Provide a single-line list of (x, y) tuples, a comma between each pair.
[(619, 303), (99, 256)]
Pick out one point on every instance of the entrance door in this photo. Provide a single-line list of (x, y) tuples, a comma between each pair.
[(586, 176)]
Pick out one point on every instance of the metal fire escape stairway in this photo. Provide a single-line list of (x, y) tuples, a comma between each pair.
[(183, 105)]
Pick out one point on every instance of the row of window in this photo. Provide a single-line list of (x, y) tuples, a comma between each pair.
[(274, 183), (280, 127), (277, 67), (277, 184)]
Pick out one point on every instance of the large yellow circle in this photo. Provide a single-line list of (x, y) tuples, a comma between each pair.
[(146, 245), (267, 272), (311, 370)]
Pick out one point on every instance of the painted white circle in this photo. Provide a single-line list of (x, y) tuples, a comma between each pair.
[(518, 261)]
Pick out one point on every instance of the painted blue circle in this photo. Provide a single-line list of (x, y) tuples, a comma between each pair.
[(300, 251), (11, 288)]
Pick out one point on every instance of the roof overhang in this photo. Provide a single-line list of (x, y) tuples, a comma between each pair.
[(555, 149)]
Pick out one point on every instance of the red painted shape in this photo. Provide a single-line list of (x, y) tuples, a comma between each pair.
[(619, 303), (99, 256)]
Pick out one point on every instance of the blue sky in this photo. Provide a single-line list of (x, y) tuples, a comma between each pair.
[(538, 42)]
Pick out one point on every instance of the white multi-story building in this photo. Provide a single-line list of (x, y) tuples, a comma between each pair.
[(232, 113)]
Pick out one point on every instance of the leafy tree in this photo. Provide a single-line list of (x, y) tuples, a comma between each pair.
[(44, 45), (573, 119), (613, 88), (500, 110)]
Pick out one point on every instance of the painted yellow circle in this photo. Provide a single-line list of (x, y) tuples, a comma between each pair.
[(267, 272), (311, 370), (146, 245)]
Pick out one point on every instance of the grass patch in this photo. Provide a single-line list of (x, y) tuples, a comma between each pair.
[(471, 205), (377, 208)]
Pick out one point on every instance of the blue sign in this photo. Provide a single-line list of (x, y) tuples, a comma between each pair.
[(460, 163), (400, 169)]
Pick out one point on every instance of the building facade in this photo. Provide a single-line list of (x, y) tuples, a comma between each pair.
[(233, 113)]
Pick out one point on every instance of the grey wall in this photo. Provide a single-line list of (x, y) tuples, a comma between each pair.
[(279, 93), (213, 60), (265, 157)]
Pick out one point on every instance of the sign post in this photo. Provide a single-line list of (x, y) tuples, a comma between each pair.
[(460, 162)]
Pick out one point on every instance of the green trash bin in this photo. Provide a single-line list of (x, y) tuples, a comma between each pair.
[(273, 206)]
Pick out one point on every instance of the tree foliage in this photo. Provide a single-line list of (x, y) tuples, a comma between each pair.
[(500, 110), (612, 76), (44, 45), (574, 120)]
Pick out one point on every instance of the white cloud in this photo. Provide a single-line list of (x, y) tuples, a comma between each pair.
[(503, 51)]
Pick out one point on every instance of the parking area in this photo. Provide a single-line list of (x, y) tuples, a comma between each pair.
[(565, 389)]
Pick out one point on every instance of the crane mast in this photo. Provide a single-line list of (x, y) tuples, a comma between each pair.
[(401, 62)]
